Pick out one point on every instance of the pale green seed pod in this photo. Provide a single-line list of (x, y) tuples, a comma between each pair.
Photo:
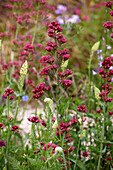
[(64, 65), (23, 70), (95, 47), (83, 134), (97, 91), (49, 101), (55, 124)]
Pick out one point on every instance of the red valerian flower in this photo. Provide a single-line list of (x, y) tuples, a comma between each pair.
[(98, 110), (66, 83), (47, 146), (107, 63), (74, 121), (2, 143), (109, 4), (5, 67), (7, 93), (108, 144), (111, 13), (108, 24), (82, 108), (15, 129), (43, 123), (85, 154), (111, 35), (1, 125), (109, 158), (34, 119), (110, 113)]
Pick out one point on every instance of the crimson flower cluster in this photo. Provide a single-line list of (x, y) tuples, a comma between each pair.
[(64, 128), (65, 73), (54, 31), (39, 90), (82, 108), (35, 119), (15, 129), (85, 154), (66, 83), (46, 70), (106, 73), (2, 143), (51, 46), (53, 146), (1, 125), (49, 145), (7, 93), (46, 59), (109, 24)]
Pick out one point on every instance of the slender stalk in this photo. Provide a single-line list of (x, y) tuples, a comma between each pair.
[(101, 146), (7, 150), (36, 105), (17, 107), (77, 154), (64, 160), (35, 26), (89, 74)]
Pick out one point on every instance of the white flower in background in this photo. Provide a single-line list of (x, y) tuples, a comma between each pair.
[(111, 68), (108, 47), (61, 9), (99, 51), (74, 19), (60, 20), (100, 57), (49, 101), (100, 64), (94, 72), (58, 149)]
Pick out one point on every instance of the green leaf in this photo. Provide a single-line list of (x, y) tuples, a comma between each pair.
[(104, 150), (81, 165), (96, 139)]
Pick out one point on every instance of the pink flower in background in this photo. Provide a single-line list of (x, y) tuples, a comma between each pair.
[(85, 18), (85, 154), (2, 143), (78, 11)]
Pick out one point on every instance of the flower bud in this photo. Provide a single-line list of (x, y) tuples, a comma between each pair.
[(49, 101), (95, 47), (23, 70), (58, 149), (55, 124)]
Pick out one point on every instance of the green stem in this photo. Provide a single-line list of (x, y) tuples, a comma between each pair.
[(101, 146), (36, 107), (17, 107), (7, 150), (89, 73), (64, 160), (77, 155), (35, 26)]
